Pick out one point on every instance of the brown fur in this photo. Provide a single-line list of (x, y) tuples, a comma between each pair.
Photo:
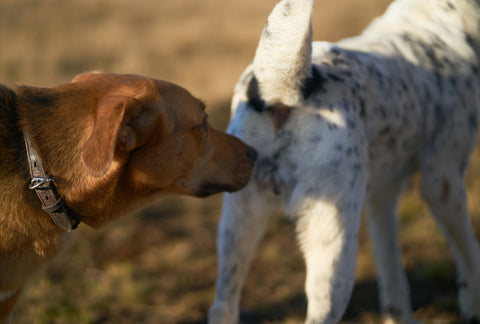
[(112, 143)]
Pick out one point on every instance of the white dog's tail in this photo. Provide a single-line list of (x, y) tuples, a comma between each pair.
[(282, 62)]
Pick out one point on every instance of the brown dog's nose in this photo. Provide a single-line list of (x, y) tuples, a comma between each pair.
[(252, 154)]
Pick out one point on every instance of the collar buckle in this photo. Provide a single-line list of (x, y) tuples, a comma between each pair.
[(37, 182), (44, 187)]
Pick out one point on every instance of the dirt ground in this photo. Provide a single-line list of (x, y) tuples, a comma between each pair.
[(159, 266)]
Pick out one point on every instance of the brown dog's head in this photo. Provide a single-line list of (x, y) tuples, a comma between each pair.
[(170, 144), (136, 138)]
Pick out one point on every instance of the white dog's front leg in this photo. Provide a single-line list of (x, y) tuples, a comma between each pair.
[(244, 218), (328, 236)]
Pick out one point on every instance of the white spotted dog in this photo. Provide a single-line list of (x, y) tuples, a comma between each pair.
[(337, 125)]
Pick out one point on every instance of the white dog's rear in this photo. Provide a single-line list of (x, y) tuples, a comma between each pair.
[(330, 120)]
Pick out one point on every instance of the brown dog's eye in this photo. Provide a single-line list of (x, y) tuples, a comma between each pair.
[(204, 125)]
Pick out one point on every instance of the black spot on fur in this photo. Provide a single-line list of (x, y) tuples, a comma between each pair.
[(427, 94), (266, 32), (287, 9), (473, 121), (363, 114), (351, 124), (314, 84), (254, 98), (440, 121), (332, 126), (339, 61), (474, 69), (438, 80), (335, 51), (356, 168), (453, 81), (469, 40), (450, 6), (349, 151), (316, 138), (392, 143), (334, 77), (468, 84)]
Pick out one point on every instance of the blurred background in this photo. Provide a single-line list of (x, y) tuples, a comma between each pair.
[(159, 266)]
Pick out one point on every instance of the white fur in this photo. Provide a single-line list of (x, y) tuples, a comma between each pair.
[(282, 55)]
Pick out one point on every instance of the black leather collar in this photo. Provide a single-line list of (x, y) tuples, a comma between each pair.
[(46, 192)]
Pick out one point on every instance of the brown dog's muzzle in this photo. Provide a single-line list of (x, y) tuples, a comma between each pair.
[(230, 165)]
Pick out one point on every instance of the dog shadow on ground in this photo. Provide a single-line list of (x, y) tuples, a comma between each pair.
[(432, 298)]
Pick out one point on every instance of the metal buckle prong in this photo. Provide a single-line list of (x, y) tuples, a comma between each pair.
[(37, 182)]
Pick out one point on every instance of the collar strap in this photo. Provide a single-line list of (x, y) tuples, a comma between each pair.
[(46, 192)]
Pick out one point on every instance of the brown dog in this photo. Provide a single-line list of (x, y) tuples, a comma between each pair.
[(111, 143)]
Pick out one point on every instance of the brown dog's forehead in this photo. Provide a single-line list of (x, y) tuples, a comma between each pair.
[(133, 85), (119, 82), (105, 77), (172, 99), (116, 80)]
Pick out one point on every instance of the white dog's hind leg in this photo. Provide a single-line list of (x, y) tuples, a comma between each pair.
[(392, 280), (244, 218), (328, 237), (444, 190)]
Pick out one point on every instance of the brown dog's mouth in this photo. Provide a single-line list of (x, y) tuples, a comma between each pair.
[(237, 181), (210, 189)]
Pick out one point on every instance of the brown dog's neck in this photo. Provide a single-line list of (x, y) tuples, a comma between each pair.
[(55, 130), (21, 217), (56, 127), (59, 121)]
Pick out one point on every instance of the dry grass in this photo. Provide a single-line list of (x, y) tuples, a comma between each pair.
[(160, 266)]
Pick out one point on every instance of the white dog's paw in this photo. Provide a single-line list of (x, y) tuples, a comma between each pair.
[(469, 299), (219, 313)]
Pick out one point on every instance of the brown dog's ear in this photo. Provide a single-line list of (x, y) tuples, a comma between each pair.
[(99, 150)]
